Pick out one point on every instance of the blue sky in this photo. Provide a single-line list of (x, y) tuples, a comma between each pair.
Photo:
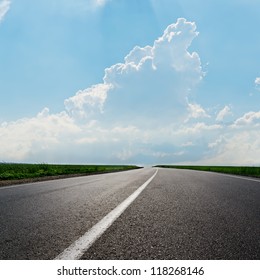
[(118, 81)]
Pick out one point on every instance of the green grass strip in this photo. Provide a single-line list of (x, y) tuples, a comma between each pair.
[(236, 170), (13, 171)]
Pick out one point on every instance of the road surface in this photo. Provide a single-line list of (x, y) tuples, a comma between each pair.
[(180, 214)]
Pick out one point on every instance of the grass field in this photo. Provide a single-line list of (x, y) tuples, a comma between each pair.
[(14, 171), (236, 170)]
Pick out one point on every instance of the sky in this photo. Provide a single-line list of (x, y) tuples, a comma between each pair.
[(130, 82)]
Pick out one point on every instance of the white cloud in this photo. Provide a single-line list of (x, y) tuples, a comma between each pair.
[(24, 137), (257, 81), (196, 111), (237, 144), (172, 48), (223, 113), (197, 128), (157, 78), (59, 138), (138, 55), (187, 144), (250, 118), (151, 79), (87, 101), (140, 113), (241, 147), (4, 7), (217, 142)]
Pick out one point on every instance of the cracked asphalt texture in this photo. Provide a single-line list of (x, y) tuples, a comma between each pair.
[(182, 214)]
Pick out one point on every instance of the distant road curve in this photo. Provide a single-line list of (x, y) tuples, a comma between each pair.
[(180, 214)]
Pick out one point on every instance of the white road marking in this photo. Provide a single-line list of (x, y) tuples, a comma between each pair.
[(224, 174), (15, 186), (237, 177), (76, 250)]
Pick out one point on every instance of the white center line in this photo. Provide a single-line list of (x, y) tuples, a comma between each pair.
[(77, 249)]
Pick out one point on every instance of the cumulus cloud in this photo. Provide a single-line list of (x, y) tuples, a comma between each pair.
[(238, 143), (196, 111), (223, 113), (171, 49), (59, 138), (151, 79), (87, 102), (257, 81), (140, 113), (4, 7), (250, 118), (22, 138), (240, 147)]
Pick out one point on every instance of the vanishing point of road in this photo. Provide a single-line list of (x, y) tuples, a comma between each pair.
[(147, 213)]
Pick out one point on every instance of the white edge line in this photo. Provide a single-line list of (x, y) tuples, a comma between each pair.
[(224, 174), (235, 176), (76, 250)]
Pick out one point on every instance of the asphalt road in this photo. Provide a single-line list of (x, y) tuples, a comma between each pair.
[(181, 214)]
